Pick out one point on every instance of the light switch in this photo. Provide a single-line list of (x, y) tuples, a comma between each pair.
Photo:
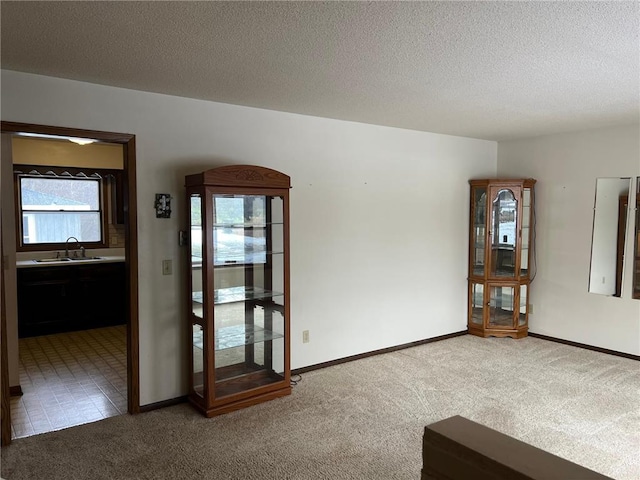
[(167, 267), (182, 238)]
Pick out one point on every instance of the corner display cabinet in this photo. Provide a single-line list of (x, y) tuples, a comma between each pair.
[(500, 257), (238, 287)]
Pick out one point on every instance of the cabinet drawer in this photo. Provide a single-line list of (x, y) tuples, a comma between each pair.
[(99, 270), (44, 275)]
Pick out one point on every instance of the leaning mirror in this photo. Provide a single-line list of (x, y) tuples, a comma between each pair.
[(609, 233), (636, 243)]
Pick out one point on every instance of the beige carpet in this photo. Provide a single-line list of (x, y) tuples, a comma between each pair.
[(365, 419)]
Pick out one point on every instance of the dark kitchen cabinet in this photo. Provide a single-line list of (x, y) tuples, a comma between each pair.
[(101, 294), (67, 298), (45, 300)]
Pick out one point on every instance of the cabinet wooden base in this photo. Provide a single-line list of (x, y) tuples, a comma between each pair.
[(489, 332), (239, 404)]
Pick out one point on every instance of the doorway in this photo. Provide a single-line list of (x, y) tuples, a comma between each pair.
[(130, 264)]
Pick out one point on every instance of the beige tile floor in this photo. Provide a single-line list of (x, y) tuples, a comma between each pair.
[(69, 379)]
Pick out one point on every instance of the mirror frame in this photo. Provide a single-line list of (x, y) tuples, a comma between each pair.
[(609, 233), (636, 245)]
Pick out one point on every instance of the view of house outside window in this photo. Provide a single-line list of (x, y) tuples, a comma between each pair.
[(239, 229), (54, 209)]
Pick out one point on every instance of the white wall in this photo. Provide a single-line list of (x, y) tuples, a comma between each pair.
[(378, 215), (566, 167)]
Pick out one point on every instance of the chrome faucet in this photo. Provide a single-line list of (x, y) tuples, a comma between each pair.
[(66, 247)]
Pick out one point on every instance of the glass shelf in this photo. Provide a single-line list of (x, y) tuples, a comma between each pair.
[(246, 225), (237, 294), (245, 257), (237, 336)]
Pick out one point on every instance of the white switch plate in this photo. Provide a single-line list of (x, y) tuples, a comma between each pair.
[(167, 267)]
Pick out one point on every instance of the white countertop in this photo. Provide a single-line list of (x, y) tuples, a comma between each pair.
[(88, 261), (106, 255)]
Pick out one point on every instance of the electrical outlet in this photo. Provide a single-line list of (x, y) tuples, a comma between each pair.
[(305, 336), (167, 267)]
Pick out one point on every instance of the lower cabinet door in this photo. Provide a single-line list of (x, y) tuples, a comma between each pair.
[(501, 307), (45, 307)]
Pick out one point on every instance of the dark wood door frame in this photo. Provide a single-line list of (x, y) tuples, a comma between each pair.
[(623, 203), (131, 247), (5, 436)]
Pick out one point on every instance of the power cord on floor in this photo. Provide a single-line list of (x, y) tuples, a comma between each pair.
[(295, 379)]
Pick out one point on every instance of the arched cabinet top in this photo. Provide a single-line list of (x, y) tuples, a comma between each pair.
[(522, 182), (240, 176)]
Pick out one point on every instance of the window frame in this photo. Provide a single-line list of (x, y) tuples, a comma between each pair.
[(25, 171)]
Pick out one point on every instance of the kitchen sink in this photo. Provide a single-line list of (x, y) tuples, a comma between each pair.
[(65, 259)]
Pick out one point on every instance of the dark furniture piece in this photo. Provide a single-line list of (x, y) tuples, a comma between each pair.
[(238, 318), (458, 449), (636, 246), (68, 298)]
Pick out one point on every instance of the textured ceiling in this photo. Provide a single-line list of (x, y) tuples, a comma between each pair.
[(492, 70)]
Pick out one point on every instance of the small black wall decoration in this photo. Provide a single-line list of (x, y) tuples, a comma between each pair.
[(163, 205)]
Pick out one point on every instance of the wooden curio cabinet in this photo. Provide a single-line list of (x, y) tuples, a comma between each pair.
[(238, 287), (500, 257)]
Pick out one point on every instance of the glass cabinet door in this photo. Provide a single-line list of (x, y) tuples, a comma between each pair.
[(523, 301), (195, 253), (197, 358), (501, 306), (248, 297), (526, 232), (504, 214), (478, 233), (197, 314), (477, 303)]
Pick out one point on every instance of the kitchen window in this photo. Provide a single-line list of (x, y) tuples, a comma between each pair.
[(51, 208)]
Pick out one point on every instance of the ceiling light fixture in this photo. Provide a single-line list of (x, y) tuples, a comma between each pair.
[(77, 140), (81, 141)]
